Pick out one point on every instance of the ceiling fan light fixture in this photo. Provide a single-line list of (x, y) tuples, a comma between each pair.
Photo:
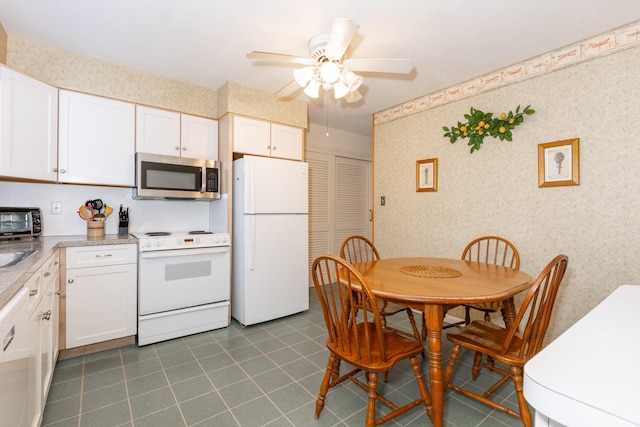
[(330, 72), (313, 89), (353, 96), (303, 75), (352, 80), (340, 90)]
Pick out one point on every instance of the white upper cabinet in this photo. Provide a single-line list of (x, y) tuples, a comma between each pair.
[(157, 131), (96, 140), (28, 127), (266, 139), (286, 142), (174, 134), (199, 137)]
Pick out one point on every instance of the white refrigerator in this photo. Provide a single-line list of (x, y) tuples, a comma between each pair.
[(270, 273)]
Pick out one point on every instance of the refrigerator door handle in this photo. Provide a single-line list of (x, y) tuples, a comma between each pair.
[(252, 239), (251, 203)]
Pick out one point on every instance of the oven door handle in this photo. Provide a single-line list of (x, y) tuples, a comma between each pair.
[(184, 252)]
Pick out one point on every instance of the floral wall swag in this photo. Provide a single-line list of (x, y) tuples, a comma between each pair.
[(480, 124)]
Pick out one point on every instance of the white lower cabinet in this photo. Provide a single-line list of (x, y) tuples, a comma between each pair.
[(101, 293), (43, 333)]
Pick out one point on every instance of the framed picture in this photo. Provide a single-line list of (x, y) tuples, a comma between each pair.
[(559, 163), (427, 175)]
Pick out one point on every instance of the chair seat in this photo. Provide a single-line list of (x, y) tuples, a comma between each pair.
[(397, 347), (488, 338)]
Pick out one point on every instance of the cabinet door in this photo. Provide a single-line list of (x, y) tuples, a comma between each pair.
[(96, 143), (40, 365), (286, 142), (251, 136), (199, 137), (157, 131), (101, 304), (28, 127), (47, 363)]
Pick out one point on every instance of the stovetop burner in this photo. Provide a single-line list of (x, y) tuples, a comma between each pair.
[(157, 233)]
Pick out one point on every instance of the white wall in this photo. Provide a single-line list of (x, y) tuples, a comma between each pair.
[(339, 142), (495, 190), (145, 215)]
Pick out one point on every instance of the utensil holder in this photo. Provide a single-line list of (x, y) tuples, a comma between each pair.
[(95, 229)]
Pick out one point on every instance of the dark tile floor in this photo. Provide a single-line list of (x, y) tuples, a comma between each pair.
[(262, 375)]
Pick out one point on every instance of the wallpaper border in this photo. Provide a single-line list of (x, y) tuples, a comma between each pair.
[(605, 44)]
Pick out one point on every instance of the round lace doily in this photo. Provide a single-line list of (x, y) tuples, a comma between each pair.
[(430, 271)]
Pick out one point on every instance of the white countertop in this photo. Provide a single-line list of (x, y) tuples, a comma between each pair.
[(589, 376)]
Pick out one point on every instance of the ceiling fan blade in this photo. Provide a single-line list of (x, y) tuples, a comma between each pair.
[(342, 33), (287, 90), (268, 56), (380, 65)]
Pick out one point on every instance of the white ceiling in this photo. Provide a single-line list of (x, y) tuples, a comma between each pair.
[(204, 42)]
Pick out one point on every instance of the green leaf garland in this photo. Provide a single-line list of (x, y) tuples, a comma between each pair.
[(480, 124)]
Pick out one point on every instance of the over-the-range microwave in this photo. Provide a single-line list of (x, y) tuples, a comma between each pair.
[(172, 177)]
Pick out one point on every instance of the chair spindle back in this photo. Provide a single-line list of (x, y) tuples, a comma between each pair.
[(492, 250), (356, 249), (535, 312), (343, 293)]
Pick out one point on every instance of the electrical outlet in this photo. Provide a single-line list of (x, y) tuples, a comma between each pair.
[(382, 200), (56, 208)]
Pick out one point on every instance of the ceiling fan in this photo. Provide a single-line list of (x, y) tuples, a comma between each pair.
[(329, 69)]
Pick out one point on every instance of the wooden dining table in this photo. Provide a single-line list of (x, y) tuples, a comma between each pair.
[(429, 285)]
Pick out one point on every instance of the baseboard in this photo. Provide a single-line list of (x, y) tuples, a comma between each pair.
[(94, 348)]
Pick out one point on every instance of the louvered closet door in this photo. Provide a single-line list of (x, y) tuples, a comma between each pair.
[(321, 185), (353, 199), (339, 202)]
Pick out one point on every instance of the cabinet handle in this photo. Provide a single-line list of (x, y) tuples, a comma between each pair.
[(33, 292), (47, 315), (62, 171), (184, 148), (103, 255), (58, 292), (55, 169), (70, 281), (47, 274), (177, 148), (274, 147)]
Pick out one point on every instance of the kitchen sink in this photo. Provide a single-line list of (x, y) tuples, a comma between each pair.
[(11, 258)]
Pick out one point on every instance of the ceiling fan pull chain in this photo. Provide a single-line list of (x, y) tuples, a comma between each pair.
[(326, 103)]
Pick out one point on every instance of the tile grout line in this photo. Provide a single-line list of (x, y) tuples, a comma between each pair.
[(126, 386)]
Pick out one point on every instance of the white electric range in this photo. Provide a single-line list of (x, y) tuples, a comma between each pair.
[(184, 284)]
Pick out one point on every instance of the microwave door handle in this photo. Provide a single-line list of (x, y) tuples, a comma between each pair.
[(203, 185)]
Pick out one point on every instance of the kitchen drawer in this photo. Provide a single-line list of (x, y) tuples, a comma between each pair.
[(50, 268), (34, 284), (95, 256)]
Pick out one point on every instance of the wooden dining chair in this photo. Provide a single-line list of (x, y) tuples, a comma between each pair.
[(512, 346), (365, 344), (356, 249), (491, 250)]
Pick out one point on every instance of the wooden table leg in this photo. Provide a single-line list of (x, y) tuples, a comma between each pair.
[(434, 318), (509, 313)]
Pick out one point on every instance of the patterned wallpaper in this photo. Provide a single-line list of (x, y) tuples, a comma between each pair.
[(495, 190), (69, 71)]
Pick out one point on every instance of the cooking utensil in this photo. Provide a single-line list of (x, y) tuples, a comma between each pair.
[(96, 204), (85, 213), (108, 210)]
